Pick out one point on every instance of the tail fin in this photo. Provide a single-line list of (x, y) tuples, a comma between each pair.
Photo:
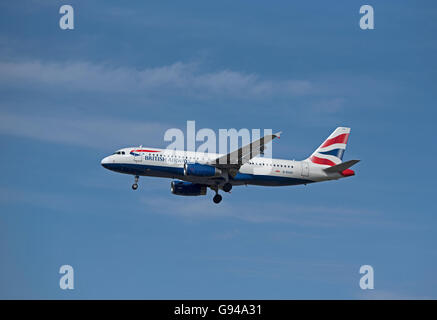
[(331, 151)]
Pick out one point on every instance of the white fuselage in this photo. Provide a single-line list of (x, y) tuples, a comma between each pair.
[(258, 171)]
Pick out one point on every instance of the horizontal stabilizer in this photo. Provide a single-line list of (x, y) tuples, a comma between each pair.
[(341, 167)]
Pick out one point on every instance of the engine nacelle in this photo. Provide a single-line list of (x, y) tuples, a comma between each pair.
[(182, 188), (201, 170)]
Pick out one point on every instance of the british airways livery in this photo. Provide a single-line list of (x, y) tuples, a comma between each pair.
[(195, 172)]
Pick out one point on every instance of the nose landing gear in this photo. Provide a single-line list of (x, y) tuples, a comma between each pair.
[(135, 185)]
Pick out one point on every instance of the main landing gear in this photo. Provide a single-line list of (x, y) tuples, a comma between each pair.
[(135, 185), (217, 198), (227, 187)]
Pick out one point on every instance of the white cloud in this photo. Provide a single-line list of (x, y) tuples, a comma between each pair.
[(87, 132), (202, 208), (390, 295), (171, 79), (329, 106), (302, 215)]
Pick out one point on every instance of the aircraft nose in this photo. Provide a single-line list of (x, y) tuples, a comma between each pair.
[(105, 162)]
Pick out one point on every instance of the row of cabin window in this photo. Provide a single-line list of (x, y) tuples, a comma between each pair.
[(260, 164), (274, 165), (253, 163)]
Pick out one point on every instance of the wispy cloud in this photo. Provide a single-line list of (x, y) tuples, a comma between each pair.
[(202, 208), (177, 78), (47, 200), (256, 212), (99, 133), (377, 294)]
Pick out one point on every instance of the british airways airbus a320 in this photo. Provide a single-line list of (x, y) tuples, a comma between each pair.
[(198, 171)]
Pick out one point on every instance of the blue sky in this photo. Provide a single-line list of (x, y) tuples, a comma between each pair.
[(128, 73)]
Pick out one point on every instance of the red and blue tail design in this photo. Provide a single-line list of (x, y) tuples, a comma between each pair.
[(330, 152)]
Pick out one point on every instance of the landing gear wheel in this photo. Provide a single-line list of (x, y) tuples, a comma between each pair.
[(135, 185), (227, 187), (217, 198)]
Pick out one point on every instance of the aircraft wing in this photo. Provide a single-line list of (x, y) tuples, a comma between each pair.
[(237, 158)]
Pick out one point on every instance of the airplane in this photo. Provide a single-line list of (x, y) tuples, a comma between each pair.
[(195, 171)]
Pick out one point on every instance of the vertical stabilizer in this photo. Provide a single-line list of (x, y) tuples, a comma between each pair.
[(331, 151)]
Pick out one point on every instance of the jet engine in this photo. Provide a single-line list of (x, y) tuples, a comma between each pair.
[(183, 188), (201, 170)]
